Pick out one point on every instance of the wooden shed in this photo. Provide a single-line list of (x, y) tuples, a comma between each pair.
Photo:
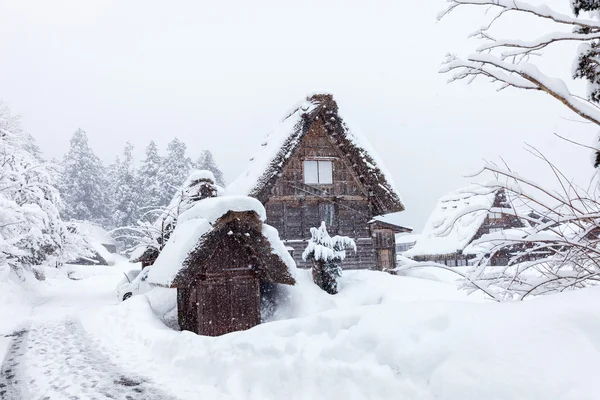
[(384, 242), (222, 264), (313, 168)]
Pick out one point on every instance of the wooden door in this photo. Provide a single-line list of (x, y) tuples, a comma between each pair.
[(228, 304)]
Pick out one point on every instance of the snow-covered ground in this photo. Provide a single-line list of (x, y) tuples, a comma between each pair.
[(381, 337)]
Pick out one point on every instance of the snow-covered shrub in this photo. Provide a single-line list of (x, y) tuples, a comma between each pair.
[(326, 252)]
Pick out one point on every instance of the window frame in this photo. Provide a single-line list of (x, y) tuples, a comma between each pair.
[(319, 170)]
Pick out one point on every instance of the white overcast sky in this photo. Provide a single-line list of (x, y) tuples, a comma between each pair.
[(220, 74)]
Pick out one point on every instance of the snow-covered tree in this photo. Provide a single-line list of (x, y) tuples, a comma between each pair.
[(83, 183), (151, 237), (175, 169), (148, 184), (31, 231), (326, 253), (126, 196), (510, 61), (206, 161)]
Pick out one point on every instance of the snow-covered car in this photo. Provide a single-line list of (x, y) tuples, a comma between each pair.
[(134, 283)]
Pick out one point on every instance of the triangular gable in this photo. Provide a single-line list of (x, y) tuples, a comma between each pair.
[(280, 144)]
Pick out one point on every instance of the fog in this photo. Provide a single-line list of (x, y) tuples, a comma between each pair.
[(220, 75)]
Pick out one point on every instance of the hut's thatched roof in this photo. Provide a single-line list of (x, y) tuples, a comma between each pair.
[(279, 145), (201, 232)]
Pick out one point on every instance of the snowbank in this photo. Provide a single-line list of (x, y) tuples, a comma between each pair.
[(382, 337)]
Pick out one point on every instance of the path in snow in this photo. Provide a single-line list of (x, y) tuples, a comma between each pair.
[(57, 360), (53, 358)]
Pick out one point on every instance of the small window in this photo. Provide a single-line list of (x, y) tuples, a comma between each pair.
[(495, 215), (319, 172)]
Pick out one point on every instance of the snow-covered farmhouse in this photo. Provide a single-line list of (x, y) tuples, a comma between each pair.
[(461, 217), (313, 168), (219, 257)]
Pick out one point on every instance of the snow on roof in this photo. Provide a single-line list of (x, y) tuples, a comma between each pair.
[(214, 208), (137, 253), (170, 260), (200, 174), (454, 221), (264, 163), (198, 221), (402, 238), (393, 219), (95, 232), (279, 145), (279, 248)]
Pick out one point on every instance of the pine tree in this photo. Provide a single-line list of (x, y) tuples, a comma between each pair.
[(148, 183), (207, 162), (326, 253), (174, 170), (111, 188), (126, 197), (83, 185), (31, 231)]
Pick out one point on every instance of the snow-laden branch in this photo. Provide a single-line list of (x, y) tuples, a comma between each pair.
[(491, 58), (522, 76), (540, 11)]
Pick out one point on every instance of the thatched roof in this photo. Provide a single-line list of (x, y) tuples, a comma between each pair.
[(280, 144), (454, 222), (215, 230), (235, 236)]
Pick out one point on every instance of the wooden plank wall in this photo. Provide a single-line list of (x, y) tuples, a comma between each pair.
[(364, 258)]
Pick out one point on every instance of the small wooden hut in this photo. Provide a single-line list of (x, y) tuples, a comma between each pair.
[(312, 168), (218, 261)]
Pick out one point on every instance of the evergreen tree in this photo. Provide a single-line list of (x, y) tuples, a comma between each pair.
[(326, 253), (31, 231), (148, 183), (111, 188), (174, 170), (207, 162), (83, 183), (126, 196)]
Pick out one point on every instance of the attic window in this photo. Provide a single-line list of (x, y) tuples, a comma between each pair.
[(495, 215), (318, 172)]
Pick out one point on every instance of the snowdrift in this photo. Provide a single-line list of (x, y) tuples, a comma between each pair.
[(381, 337)]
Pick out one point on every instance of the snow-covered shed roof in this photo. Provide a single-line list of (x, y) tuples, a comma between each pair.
[(454, 222), (194, 228), (279, 145), (393, 220), (403, 238)]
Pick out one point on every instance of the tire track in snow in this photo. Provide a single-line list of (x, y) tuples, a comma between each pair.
[(54, 360)]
